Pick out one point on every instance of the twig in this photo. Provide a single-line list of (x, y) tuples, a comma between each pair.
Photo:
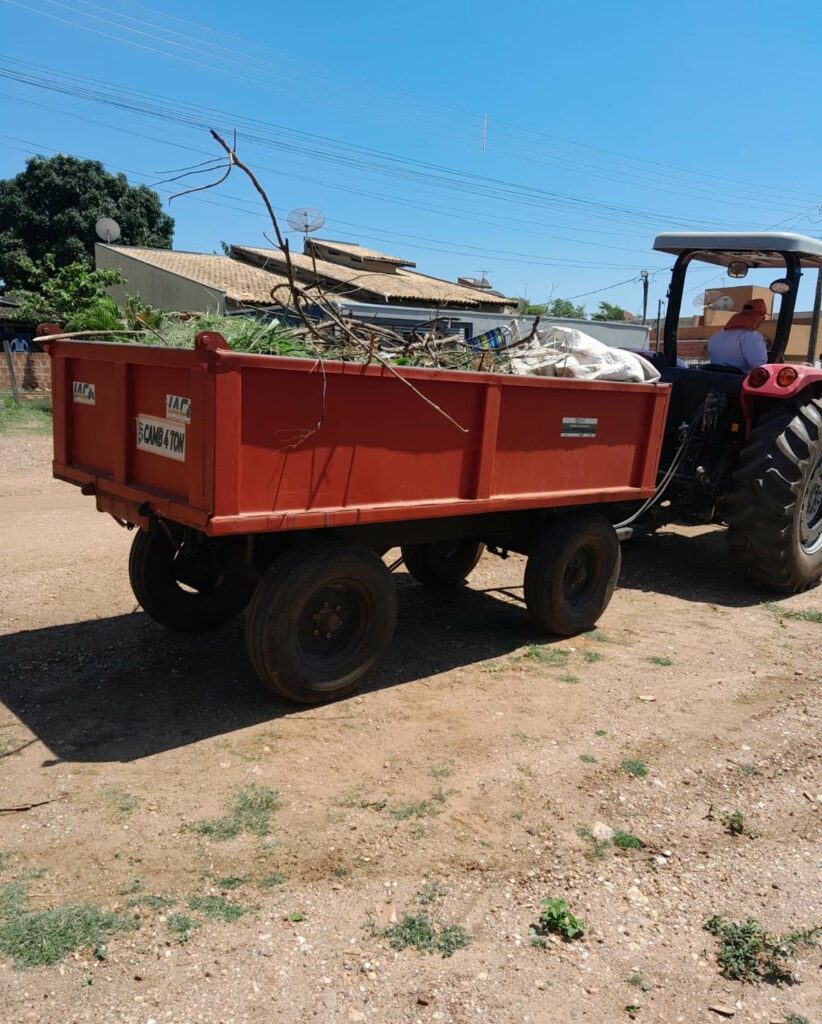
[(27, 807)]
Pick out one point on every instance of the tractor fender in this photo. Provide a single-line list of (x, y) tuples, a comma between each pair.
[(752, 398)]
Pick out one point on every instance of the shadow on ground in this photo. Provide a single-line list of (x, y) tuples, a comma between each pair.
[(122, 688)]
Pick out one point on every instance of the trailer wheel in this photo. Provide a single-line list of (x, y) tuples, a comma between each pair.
[(319, 620), (191, 594), (775, 511), (442, 564), (571, 574)]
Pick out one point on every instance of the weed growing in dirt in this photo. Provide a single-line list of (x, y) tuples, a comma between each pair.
[(638, 769), (135, 885), (442, 771), (556, 657), (35, 873), (661, 660), (632, 1009), (639, 982), (598, 636), (4, 858), (42, 938), (736, 825), (627, 841), (217, 908), (600, 732), (588, 758), (296, 916), (567, 678), (748, 769), (420, 932), (250, 811), (121, 802), (232, 881), (598, 846), (419, 808), (181, 926), (431, 892), (798, 615), (340, 871), (152, 902), (556, 917), (592, 657), (272, 881), (796, 1018), (748, 953)]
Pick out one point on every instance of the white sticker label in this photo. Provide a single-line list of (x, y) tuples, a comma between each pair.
[(163, 437), (85, 394), (578, 426), (178, 408)]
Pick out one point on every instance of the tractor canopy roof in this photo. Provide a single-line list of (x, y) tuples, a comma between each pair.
[(759, 249)]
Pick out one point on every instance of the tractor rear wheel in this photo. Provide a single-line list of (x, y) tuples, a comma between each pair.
[(775, 510)]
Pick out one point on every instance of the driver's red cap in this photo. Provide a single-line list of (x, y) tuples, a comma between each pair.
[(749, 317)]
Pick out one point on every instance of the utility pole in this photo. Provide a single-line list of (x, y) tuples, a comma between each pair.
[(814, 331), (644, 275), (658, 320)]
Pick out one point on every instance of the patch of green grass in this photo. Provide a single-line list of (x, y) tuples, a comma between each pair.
[(632, 766), (418, 832), (43, 937), (121, 802), (129, 888), (796, 1018), (600, 732), (556, 657), (272, 881), (627, 841), (567, 678), (419, 931), (588, 758), (442, 771), (152, 902), (232, 881), (592, 656), (217, 908), (35, 874), (556, 917), (661, 660), (736, 825), (748, 953), (794, 615), (249, 811), (418, 808), (181, 925), (598, 846), (32, 416), (340, 871), (4, 858), (639, 982)]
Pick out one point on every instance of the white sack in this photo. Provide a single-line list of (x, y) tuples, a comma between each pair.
[(557, 351)]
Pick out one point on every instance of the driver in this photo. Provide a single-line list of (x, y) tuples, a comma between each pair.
[(739, 343)]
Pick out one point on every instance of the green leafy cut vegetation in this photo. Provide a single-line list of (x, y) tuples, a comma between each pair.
[(43, 937), (556, 917), (250, 811), (748, 953), (632, 766)]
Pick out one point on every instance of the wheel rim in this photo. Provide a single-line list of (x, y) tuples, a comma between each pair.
[(810, 512), (581, 575), (332, 630)]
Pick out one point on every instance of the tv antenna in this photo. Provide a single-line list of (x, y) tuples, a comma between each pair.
[(306, 219), (107, 229)]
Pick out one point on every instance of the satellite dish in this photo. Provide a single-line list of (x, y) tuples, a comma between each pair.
[(724, 302), (306, 219), (107, 229)]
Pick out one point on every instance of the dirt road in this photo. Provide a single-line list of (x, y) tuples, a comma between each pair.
[(481, 771)]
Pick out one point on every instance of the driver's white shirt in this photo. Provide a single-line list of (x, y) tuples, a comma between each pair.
[(738, 347)]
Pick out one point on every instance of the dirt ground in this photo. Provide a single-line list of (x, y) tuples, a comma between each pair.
[(471, 760)]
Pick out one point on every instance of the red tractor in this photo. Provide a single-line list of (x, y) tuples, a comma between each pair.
[(745, 449)]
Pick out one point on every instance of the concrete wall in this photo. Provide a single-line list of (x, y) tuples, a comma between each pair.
[(32, 370), (160, 288)]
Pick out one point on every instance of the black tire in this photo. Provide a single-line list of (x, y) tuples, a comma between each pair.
[(442, 564), (571, 574), (188, 594), (774, 512), (319, 620)]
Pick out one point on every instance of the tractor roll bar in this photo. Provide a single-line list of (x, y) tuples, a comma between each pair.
[(793, 273)]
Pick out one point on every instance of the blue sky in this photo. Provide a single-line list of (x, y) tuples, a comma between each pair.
[(606, 122)]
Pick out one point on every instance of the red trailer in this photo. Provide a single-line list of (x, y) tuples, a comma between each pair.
[(278, 484)]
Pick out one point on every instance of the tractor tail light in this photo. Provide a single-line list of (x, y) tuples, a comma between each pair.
[(786, 376), (758, 377)]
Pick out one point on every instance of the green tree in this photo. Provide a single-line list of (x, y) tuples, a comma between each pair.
[(51, 208), (610, 311), (73, 296), (556, 307)]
